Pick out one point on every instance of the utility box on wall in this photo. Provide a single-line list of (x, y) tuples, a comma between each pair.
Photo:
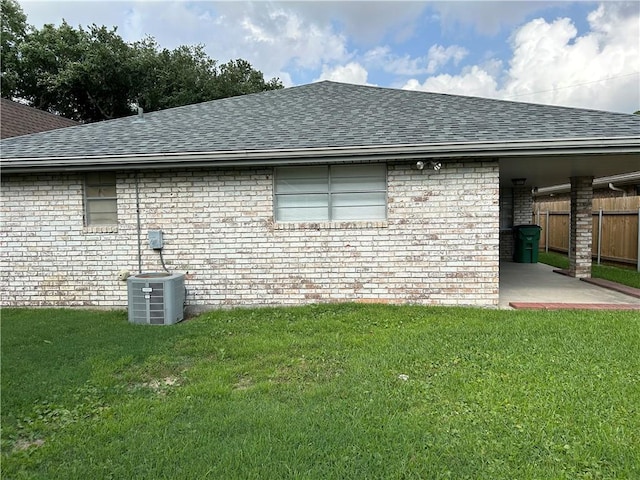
[(155, 239), (156, 298)]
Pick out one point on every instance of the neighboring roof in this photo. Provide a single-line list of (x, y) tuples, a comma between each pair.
[(324, 119), (17, 119)]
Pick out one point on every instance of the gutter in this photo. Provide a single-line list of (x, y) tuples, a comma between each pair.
[(602, 182), (298, 156)]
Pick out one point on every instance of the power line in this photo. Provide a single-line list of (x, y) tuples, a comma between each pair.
[(571, 86)]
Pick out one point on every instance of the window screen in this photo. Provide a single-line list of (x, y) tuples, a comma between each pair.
[(506, 208), (331, 193), (100, 206)]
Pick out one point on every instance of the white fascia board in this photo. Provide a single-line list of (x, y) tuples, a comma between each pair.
[(373, 153), (622, 179)]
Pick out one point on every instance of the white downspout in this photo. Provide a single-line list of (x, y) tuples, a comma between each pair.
[(616, 189)]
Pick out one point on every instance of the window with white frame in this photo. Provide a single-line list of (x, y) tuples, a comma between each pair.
[(331, 193), (100, 204)]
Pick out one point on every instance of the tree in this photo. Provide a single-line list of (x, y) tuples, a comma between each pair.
[(186, 75), (81, 74), (93, 74), (12, 34), (171, 78), (239, 78)]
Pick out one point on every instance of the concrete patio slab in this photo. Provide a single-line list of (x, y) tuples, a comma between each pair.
[(536, 283)]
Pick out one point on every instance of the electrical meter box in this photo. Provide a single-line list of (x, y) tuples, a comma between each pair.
[(155, 239)]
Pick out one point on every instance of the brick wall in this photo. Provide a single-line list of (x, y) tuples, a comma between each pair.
[(522, 205), (439, 244), (516, 208)]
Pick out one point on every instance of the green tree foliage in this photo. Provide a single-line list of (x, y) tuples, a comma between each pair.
[(171, 78), (81, 74), (12, 34), (239, 78), (91, 74)]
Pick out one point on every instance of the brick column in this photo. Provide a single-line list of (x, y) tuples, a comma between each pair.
[(581, 226), (522, 206)]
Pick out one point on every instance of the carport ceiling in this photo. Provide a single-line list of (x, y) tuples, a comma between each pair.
[(548, 171)]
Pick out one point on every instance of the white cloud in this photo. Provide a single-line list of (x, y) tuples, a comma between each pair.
[(551, 64), (350, 73), (436, 58), (365, 22), (473, 81), (384, 59), (173, 24), (439, 56), (132, 28), (284, 77), (549, 58), (486, 17), (274, 39), (75, 13)]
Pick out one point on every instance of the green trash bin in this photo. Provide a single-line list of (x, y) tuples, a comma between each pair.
[(526, 239)]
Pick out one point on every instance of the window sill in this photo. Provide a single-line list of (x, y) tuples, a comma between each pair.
[(100, 229), (331, 225)]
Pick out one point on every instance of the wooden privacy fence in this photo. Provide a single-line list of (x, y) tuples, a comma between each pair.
[(616, 228)]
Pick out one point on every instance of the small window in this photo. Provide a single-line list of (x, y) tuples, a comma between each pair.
[(506, 208), (100, 206), (331, 193)]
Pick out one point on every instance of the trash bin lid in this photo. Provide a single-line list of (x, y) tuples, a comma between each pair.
[(527, 227)]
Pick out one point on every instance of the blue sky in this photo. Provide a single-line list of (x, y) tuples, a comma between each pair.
[(581, 54)]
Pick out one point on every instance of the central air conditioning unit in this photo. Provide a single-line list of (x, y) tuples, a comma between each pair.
[(156, 298)]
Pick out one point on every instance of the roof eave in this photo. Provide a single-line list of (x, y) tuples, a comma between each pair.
[(602, 182), (371, 153)]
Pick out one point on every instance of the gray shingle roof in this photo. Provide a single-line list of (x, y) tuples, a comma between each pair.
[(321, 115)]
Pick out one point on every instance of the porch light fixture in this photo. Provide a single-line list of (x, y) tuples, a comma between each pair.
[(518, 182), (435, 166)]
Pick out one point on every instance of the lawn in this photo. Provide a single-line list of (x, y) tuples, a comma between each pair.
[(322, 392), (625, 276)]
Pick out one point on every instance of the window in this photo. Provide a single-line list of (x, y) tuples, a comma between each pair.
[(100, 199), (331, 193), (506, 208)]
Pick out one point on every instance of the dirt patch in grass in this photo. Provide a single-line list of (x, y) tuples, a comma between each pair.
[(159, 386), (23, 444), (243, 383)]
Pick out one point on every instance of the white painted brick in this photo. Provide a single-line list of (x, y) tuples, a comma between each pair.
[(439, 244)]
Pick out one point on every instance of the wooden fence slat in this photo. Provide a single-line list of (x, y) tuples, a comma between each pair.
[(617, 230), (612, 204)]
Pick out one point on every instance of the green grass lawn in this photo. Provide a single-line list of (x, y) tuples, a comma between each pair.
[(625, 276), (322, 392)]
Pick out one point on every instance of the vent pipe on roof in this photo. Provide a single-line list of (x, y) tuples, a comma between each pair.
[(140, 116)]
